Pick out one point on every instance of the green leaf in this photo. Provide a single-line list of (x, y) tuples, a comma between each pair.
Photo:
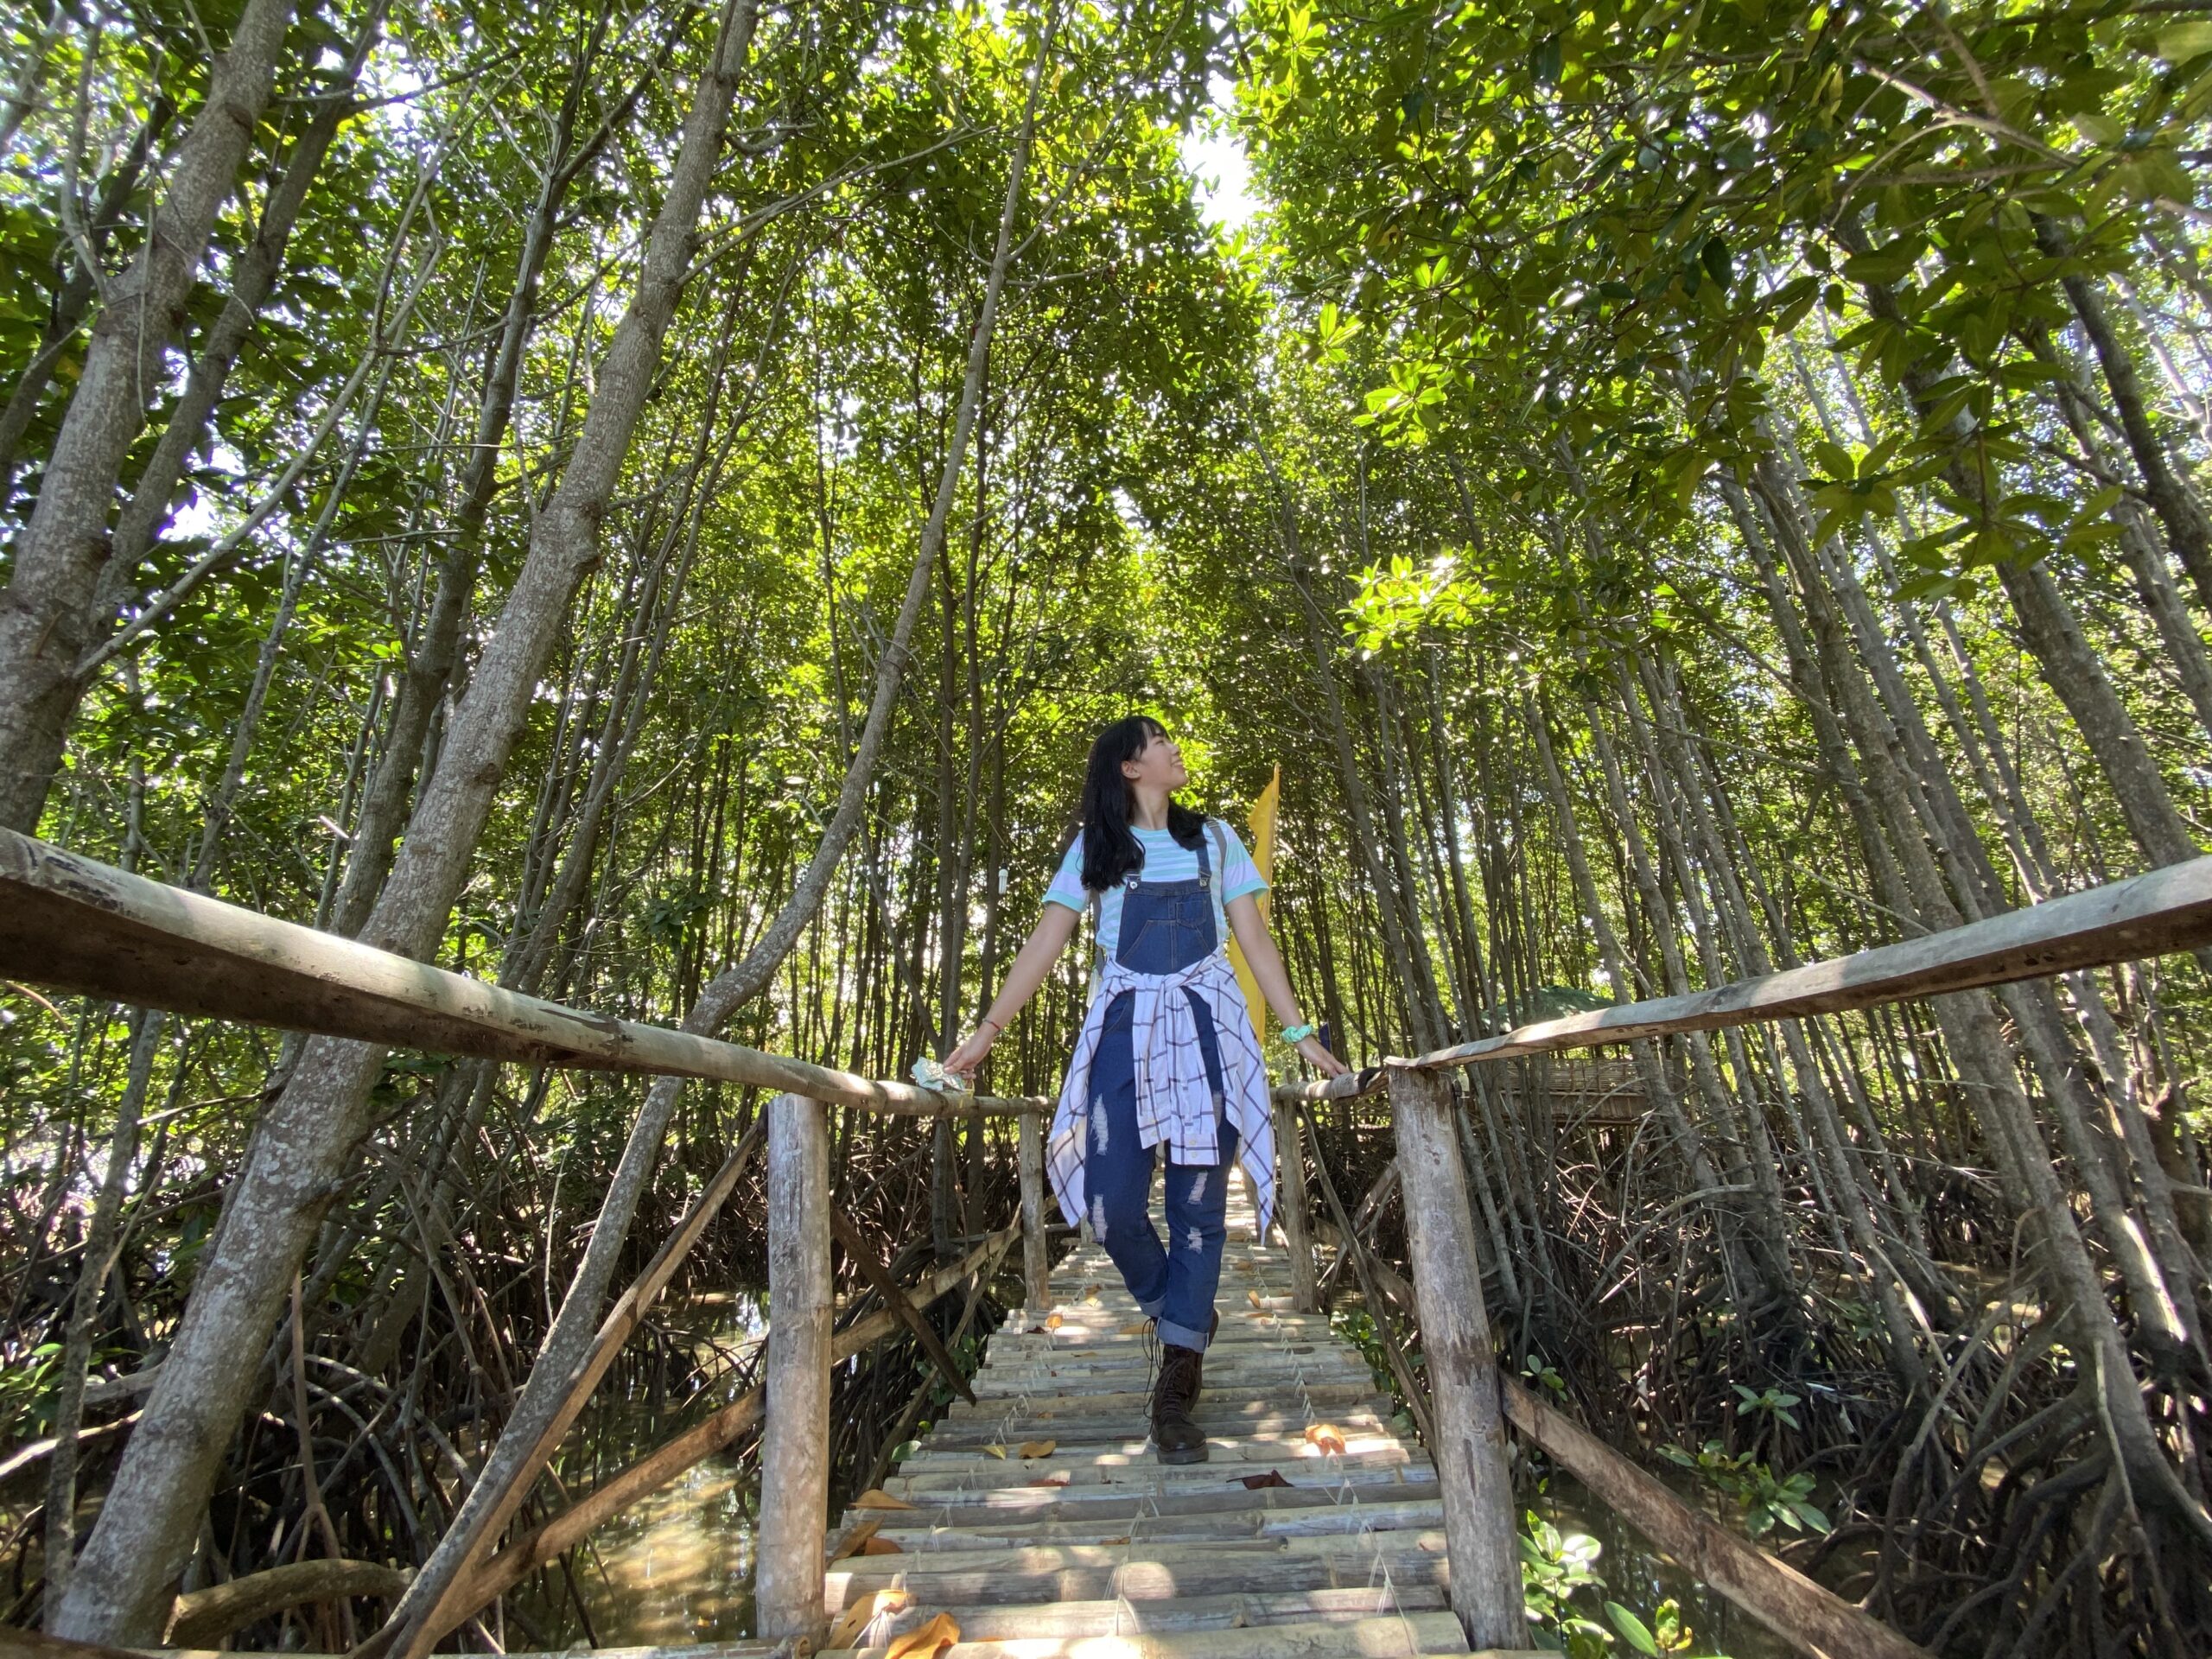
[(1544, 61), (1813, 1518), (2179, 43), (1632, 1629)]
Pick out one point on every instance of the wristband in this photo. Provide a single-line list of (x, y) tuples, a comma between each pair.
[(1297, 1033)]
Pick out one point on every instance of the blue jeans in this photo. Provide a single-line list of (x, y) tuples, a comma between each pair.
[(1174, 1283)]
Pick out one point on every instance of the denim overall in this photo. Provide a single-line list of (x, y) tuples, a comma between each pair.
[(1166, 927)]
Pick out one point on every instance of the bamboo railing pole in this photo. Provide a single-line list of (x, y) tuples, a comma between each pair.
[(1290, 1205), (1036, 1253), (1469, 1442), (861, 1254), (795, 1442)]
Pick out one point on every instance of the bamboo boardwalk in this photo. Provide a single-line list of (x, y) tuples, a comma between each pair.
[(1312, 1529)]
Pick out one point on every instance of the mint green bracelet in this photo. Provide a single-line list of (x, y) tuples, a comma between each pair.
[(1297, 1033)]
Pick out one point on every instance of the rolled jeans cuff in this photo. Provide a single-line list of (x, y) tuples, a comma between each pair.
[(1180, 1336)]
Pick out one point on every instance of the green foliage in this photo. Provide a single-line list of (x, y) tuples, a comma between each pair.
[(1763, 1501), (1563, 1593)]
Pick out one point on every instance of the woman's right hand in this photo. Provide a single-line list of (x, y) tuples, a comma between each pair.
[(1311, 1051), (963, 1060)]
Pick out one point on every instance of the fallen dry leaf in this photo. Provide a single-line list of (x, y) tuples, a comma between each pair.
[(864, 1612), (995, 1451), (1054, 1321), (1248, 1265), (1090, 1294), (1272, 1478), (1324, 1438), (853, 1536), (1034, 1330), (1058, 1478), (876, 1498), (1038, 1448), (1257, 1305), (880, 1546), (1124, 1539), (1135, 1328), (939, 1634)]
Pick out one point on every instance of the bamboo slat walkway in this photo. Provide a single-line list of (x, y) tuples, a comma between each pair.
[(1285, 1542)]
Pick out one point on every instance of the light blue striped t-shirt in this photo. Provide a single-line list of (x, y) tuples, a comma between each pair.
[(1166, 859)]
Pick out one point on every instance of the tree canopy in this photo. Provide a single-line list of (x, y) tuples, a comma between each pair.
[(650, 504)]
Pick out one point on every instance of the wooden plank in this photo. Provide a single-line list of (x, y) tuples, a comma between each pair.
[(1397, 1635), (1812, 1619), (1146, 1472), (2160, 911), (1351, 1483), (1097, 1508), (1108, 1434), (1247, 1520), (1042, 1409), (1066, 1618), (77, 925), (795, 1441), (1468, 1436), (1195, 1570)]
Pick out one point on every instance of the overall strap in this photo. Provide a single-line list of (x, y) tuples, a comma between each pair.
[(1098, 943), (1218, 832)]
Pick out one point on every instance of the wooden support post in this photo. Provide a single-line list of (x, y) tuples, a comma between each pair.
[(1036, 1252), (794, 1443), (1469, 1442), (1290, 1205)]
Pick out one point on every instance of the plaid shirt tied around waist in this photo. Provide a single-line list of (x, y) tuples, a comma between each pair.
[(1176, 1104)]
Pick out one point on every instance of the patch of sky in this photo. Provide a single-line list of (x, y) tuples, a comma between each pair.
[(1214, 156)]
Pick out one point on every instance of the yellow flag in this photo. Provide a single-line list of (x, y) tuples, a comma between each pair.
[(1264, 854)]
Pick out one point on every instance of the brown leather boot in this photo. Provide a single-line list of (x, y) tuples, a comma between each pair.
[(1175, 1436)]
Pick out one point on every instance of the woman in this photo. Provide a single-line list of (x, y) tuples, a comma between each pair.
[(1167, 1061)]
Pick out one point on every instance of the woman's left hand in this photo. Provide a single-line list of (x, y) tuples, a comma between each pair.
[(1311, 1051)]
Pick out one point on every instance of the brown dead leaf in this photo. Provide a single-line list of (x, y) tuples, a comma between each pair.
[(1124, 1539), (1248, 1265), (1272, 1478), (864, 1612), (1057, 1477), (1257, 1306), (1090, 1294), (876, 1498), (1054, 1321), (931, 1639), (1034, 1330), (880, 1546), (848, 1542), (1324, 1438), (1038, 1448), (1135, 1328), (996, 1451)]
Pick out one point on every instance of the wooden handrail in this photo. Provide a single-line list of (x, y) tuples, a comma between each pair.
[(2162, 911), (78, 925)]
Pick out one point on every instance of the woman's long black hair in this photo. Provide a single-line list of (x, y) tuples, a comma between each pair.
[(1109, 850)]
